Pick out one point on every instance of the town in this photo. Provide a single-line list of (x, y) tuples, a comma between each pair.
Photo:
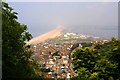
[(54, 55)]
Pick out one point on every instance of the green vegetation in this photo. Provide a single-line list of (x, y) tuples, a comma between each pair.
[(16, 56), (75, 46), (98, 62), (56, 53)]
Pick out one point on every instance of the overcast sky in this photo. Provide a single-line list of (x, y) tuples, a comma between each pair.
[(90, 18)]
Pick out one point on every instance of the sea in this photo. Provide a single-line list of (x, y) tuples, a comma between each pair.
[(107, 32)]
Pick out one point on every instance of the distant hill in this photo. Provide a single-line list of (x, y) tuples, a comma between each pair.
[(74, 38)]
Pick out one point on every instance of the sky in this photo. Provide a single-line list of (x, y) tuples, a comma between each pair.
[(89, 18)]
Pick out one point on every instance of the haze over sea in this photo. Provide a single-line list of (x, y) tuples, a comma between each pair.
[(106, 31), (87, 18)]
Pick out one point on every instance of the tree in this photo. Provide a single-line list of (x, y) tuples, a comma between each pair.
[(99, 61), (16, 57)]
